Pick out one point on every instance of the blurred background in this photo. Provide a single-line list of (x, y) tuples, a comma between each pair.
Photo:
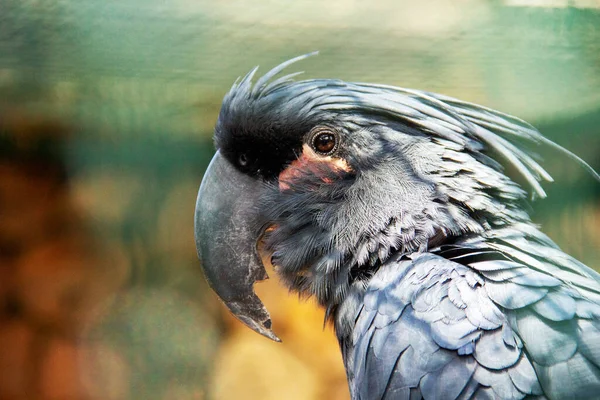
[(106, 116)]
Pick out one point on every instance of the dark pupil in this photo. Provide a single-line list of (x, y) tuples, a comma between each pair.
[(324, 142), (243, 159)]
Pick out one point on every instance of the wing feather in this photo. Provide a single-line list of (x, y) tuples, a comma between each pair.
[(437, 346), (472, 322)]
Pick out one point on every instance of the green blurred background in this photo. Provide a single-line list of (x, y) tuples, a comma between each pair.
[(106, 116)]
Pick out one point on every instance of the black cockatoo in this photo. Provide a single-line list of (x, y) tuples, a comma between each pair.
[(391, 207)]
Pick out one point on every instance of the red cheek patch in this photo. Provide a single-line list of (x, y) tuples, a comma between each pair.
[(311, 163)]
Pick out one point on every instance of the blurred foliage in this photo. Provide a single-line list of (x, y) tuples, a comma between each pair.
[(106, 116)]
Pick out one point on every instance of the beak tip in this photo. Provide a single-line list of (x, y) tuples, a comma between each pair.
[(259, 322), (269, 334)]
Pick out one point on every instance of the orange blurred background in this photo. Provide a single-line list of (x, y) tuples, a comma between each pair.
[(106, 116)]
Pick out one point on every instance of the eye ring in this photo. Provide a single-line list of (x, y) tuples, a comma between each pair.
[(324, 141)]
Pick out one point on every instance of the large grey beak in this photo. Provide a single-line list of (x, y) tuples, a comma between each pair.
[(227, 230)]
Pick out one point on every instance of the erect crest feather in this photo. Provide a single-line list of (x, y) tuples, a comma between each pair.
[(461, 122)]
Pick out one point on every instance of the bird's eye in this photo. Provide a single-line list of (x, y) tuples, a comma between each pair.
[(324, 141), (243, 160)]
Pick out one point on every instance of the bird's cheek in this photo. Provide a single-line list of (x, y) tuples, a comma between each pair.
[(312, 165)]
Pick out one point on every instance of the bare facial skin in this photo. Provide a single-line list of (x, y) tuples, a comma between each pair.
[(310, 162)]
